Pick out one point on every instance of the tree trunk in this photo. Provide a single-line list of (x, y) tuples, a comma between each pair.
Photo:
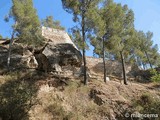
[(104, 63), (84, 51), (9, 50), (123, 68), (144, 66), (148, 60)]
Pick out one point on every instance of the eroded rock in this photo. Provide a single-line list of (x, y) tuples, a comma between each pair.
[(63, 54)]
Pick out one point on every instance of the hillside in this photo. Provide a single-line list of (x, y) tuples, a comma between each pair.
[(28, 94), (79, 60)]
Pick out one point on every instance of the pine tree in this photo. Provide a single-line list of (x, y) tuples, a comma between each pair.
[(122, 36), (50, 22), (28, 28), (145, 46), (114, 25), (27, 25), (102, 29), (81, 10)]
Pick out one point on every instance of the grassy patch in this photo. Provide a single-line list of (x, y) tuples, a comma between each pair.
[(147, 104)]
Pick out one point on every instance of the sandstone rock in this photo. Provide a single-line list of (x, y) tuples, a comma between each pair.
[(57, 36), (97, 96), (60, 51), (62, 54)]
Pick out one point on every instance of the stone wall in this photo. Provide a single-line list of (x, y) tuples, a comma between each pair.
[(95, 65), (57, 36)]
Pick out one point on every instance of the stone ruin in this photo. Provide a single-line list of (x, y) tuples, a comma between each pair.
[(112, 67), (63, 55), (60, 50), (57, 36)]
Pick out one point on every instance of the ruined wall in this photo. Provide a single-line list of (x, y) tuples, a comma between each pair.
[(94, 64), (112, 67), (57, 36)]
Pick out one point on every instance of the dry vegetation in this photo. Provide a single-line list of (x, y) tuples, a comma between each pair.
[(28, 94)]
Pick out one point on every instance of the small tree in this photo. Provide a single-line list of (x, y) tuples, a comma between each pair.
[(146, 48), (155, 75), (9, 50), (27, 24), (28, 28)]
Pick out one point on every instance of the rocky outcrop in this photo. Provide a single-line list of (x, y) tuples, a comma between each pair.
[(16, 55), (63, 54), (60, 51), (57, 36)]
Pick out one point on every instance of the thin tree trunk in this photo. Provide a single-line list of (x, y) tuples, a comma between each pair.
[(9, 50), (84, 51), (104, 63), (123, 68), (148, 60), (144, 66)]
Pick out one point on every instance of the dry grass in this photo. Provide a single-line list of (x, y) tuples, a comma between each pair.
[(74, 102)]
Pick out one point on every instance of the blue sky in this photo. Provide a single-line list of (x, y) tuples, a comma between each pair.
[(147, 15)]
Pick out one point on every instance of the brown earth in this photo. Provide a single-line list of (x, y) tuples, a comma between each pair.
[(64, 97)]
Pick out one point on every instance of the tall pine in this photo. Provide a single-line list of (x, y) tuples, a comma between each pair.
[(81, 9)]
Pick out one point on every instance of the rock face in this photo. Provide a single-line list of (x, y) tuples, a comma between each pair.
[(62, 55), (60, 51), (57, 36), (16, 55)]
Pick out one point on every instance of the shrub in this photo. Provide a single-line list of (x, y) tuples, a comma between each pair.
[(155, 76), (146, 104), (58, 112)]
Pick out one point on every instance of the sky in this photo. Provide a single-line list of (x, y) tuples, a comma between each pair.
[(147, 15)]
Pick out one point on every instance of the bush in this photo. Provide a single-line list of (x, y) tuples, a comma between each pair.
[(155, 76), (58, 112), (147, 104)]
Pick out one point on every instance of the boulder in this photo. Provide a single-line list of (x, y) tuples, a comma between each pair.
[(62, 55)]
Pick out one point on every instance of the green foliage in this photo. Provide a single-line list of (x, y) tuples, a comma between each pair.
[(145, 50), (97, 43), (58, 112), (49, 22), (155, 75), (115, 23), (147, 104), (16, 97), (27, 22), (1, 37), (81, 9), (77, 39)]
